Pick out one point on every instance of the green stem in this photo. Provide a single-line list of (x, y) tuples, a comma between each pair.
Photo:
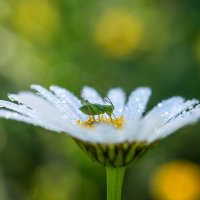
[(114, 182)]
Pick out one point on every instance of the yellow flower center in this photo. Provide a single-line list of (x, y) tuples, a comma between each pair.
[(117, 122)]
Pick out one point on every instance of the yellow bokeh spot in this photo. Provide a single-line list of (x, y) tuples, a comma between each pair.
[(178, 180), (36, 19), (118, 33), (117, 122)]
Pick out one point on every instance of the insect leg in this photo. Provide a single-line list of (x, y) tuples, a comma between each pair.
[(114, 115), (111, 119), (87, 103), (109, 101), (93, 118)]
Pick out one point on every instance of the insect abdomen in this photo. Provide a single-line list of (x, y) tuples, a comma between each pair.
[(92, 109)]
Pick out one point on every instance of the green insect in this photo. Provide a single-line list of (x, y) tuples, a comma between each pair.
[(93, 109)]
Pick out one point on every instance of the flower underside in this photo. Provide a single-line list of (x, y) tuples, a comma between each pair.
[(115, 155), (91, 122)]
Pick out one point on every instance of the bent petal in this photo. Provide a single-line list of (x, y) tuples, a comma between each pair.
[(183, 119)]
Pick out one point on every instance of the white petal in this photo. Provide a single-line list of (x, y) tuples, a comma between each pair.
[(72, 130), (47, 95), (118, 98), (131, 130), (164, 112), (137, 102), (16, 116), (69, 101), (22, 109), (107, 134), (48, 113), (44, 116), (147, 128), (104, 134), (55, 101), (25, 112), (43, 108), (165, 106), (91, 95), (174, 110), (186, 118)]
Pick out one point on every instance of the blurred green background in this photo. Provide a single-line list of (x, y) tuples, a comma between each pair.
[(103, 44)]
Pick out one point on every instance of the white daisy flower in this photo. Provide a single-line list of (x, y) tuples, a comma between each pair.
[(114, 140)]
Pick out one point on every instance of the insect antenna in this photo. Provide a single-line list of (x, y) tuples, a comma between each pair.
[(84, 101), (109, 101), (114, 115)]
